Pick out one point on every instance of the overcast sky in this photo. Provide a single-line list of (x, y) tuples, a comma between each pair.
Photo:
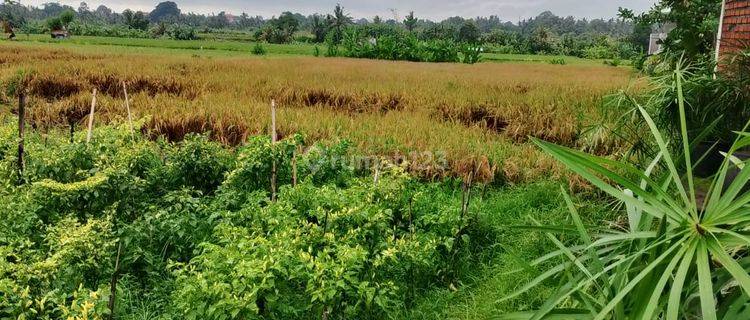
[(509, 10)]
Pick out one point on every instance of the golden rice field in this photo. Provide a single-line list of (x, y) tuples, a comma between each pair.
[(487, 110)]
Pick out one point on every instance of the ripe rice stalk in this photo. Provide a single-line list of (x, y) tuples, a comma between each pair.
[(382, 107)]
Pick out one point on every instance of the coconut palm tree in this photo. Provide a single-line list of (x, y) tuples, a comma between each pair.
[(319, 28), (337, 22)]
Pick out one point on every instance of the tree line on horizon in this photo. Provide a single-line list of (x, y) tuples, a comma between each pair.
[(546, 33)]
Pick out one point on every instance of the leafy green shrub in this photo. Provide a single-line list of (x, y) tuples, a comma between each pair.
[(558, 61), (105, 30), (34, 27), (439, 51), (84, 198), (471, 53), (181, 32), (640, 61), (715, 103), (66, 164), (599, 52), (613, 63), (258, 49), (316, 51), (254, 165), (194, 233), (169, 229), (57, 284), (326, 163), (158, 30), (199, 163), (361, 42), (314, 252), (332, 46), (54, 24)]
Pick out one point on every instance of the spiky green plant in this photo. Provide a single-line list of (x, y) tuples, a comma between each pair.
[(683, 253)]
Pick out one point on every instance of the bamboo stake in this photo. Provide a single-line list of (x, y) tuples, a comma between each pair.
[(113, 283), (294, 168), (21, 132), (377, 172), (273, 143), (127, 106), (91, 117), (467, 193)]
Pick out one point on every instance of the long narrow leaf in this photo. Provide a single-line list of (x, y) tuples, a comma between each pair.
[(705, 287), (734, 268), (624, 292), (675, 293), (656, 294), (675, 176), (686, 146), (581, 166)]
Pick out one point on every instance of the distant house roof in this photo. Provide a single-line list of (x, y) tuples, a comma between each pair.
[(662, 27), (59, 33), (658, 35), (655, 43)]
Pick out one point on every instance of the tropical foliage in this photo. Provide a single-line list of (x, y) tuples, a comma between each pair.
[(188, 230), (681, 253)]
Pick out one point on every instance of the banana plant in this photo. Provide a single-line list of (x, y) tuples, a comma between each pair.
[(683, 253)]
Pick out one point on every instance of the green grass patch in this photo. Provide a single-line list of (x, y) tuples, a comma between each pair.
[(190, 45), (506, 247), (241, 45), (534, 58)]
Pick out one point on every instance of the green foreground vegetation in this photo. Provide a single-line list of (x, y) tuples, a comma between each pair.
[(174, 221), (138, 227)]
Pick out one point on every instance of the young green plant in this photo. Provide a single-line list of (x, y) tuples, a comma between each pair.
[(674, 236)]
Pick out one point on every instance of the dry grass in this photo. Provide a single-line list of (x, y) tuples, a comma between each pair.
[(483, 111)]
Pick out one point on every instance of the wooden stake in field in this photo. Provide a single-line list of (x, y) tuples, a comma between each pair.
[(91, 116), (294, 167), (273, 144), (21, 131), (466, 188), (127, 106), (376, 177), (113, 283)]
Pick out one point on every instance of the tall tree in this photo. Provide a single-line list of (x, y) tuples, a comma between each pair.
[(66, 17), (53, 9), (135, 20), (103, 13), (84, 12), (541, 40), (165, 11), (410, 21), (337, 22), (218, 21), (83, 8), (281, 29), (11, 16), (319, 28), (469, 33), (288, 23)]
